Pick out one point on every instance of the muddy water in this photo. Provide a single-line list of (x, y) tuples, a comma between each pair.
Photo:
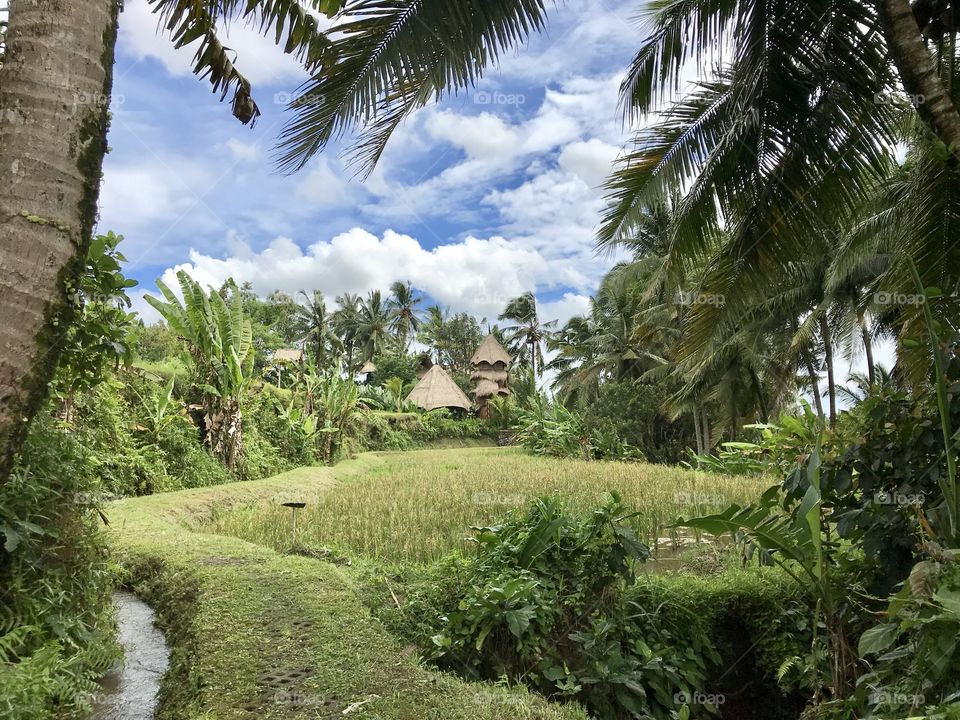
[(129, 690)]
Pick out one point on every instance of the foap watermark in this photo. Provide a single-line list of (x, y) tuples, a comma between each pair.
[(899, 99), (699, 698), (482, 97), (297, 699), (486, 498), (895, 298), (287, 98), (92, 498), (885, 697), (488, 697), (899, 499), (97, 100), (692, 299), (693, 499)]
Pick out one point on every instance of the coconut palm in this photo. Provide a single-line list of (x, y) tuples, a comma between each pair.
[(526, 333), (346, 324), (52, 150), (404, 318), (430, 332), (317, 324), (374, 325)]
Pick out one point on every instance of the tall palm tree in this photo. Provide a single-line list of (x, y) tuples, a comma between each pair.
[(404, 318), (374, 325), (526, 333), (431, 332), (317, 324), (52, 149), (346, 324)]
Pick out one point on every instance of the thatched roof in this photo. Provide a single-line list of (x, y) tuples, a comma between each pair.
[(485, 389), (498, 376), (490, 351), (292, 355), (368, 367), (437, 389)]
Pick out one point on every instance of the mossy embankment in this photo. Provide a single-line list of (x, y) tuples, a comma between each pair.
[(258, 634)]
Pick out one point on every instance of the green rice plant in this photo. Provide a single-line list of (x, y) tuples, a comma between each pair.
[(417, 507)]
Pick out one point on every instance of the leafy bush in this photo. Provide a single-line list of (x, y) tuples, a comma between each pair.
[(631, 411), (547, 428), (547, 601), (407, 431), (55, 622), (915, 653), (189, 462)]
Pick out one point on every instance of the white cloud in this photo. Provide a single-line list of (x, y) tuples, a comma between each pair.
[(476, 275), (242, 151), (591, 161), (323, 186)]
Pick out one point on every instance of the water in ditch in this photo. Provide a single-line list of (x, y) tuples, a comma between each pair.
[(129, 690)]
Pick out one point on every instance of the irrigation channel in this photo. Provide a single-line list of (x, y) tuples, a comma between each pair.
[(129, 690)]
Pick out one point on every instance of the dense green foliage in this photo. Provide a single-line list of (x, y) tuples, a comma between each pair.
[(546, 600), (55, 622)]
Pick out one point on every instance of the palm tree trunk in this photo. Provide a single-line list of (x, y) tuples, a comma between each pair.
[(696, 431), (831, 376), (868, 350), (533, 360), (918, 72), (54, 87), (705, 427), (815, 388)]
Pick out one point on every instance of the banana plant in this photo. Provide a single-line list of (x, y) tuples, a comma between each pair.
[(160, 413), (218, 339)]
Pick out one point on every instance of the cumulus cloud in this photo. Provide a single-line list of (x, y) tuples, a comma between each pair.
[(475, 275)]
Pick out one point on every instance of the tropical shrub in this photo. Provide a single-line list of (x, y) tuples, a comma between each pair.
[(547, 428), (914, 655), (547, 601), (55, 583), (632, 411)]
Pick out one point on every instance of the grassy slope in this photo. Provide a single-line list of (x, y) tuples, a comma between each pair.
[(239, 614)]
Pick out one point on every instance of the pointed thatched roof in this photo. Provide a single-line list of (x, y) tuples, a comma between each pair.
[(437, 389), (293, 355), (368, 367), (490, 351)]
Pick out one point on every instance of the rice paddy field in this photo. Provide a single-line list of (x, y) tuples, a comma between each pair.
[(415, 507)]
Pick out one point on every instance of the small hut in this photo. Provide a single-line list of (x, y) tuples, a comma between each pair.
[(367, 370), (436, 390), (491, 373), (291, 356), (284, 357)]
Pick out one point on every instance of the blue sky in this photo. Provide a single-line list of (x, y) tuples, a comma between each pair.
[(478, 199)]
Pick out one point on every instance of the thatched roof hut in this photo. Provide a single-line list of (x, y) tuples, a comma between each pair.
[(491, 352), (486, 389), (491, 373), (368, 367), (289, 355), (436, 390), (501, 377)]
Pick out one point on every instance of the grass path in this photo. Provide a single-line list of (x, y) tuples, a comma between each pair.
[(258, 634)]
